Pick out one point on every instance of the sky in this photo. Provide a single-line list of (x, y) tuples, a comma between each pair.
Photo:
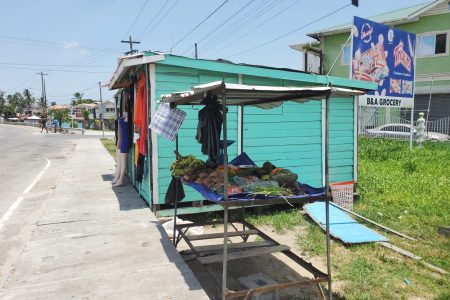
[(77, 42)]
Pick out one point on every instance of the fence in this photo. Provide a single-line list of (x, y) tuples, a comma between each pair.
[(391, 123)]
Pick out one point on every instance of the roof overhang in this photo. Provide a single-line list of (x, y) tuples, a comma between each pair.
[(260, 96), (313, 46), (127, 64)]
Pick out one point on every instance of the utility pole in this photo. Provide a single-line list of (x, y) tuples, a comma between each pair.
[(130, 42), (44, 96), (101, 108), (196, 51)]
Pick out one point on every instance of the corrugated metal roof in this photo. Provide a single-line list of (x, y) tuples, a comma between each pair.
[(261, 96), (387, 17)]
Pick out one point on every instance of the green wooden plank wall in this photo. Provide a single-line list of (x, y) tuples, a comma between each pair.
[(341, 139), (289, 136), (173, 79)]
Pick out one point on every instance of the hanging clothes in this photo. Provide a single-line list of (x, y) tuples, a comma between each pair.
[(209, 128), (140, 113), (167, 121), (129, 107), (140, 168), (124, 134)]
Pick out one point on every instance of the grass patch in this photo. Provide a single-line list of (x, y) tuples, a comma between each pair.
[(110, 147), (280, 221), (408, 191)]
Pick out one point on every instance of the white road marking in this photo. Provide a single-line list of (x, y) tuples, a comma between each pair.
[(19, 199)]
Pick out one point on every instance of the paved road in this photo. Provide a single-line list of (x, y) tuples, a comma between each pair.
[(74, 236), (23, 153), (28, 159)]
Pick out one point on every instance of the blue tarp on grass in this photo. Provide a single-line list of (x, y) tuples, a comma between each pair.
[(342, 226)]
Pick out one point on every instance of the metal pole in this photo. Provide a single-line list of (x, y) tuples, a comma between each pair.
[(225, 194), (101, 109), (411, 129), (176, 197), (196, 51), (327, 202)]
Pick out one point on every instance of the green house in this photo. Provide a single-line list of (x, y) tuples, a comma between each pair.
[(290, 136), (430, 22)]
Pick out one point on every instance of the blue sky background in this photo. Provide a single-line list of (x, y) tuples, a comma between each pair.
[(78, 42)]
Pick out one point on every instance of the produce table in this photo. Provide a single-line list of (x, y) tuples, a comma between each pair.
[(264, 97)]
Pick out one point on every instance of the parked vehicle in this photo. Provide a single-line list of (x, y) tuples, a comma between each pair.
[(402, 131)]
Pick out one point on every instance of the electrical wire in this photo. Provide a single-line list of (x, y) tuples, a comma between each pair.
[(135, 19), (241, 9), (241, 23), (43, 65), (290, 32), (199, 24), (41, 43), (51, 70), (161, 19), (153, 19), (260, 25)]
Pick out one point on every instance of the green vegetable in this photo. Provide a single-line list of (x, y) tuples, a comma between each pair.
[(272, 191), (187, 165)]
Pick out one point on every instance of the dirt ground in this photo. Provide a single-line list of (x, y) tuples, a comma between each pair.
[(277, 266)]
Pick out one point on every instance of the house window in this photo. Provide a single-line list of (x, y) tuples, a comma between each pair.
[(432, 44), (345, 57)]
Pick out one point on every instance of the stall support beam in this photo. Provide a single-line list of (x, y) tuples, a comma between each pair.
[(327, 202), (225, 195), (176, 199)]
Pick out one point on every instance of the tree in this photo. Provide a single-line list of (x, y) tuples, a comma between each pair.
[(17, 102), (28, 99), (78, 99), (8, 111), (86, 118), (2, 102), (62, 115), (53, 103)]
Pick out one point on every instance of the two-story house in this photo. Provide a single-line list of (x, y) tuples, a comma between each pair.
[(431, 24)]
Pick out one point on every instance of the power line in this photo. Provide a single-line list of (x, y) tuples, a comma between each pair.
[(260, 25), (137, 17), (153, 19), (161, 19), (44, 65), (26, 41), (199, 24), (290, 32), (241, 9), (51, 70), (241, 23)]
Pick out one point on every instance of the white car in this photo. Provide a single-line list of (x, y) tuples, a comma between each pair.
[(402, 131)]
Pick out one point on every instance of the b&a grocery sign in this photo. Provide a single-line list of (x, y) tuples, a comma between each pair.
[(386, 56)]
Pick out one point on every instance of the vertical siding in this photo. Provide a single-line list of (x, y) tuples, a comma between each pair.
[(289, 136), (173, 79), (341, 139)]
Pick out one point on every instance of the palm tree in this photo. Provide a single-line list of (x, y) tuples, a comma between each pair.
[(28, 99), (86, 118)]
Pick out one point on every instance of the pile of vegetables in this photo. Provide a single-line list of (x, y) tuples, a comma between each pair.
[(267, 180), (186, 166)]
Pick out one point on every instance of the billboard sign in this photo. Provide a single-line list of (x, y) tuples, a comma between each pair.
[(386, 56)]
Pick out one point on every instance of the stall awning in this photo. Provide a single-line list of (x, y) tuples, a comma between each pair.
[(260, 96)]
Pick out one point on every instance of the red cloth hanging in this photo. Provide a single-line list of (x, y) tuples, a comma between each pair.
[(140, 114)]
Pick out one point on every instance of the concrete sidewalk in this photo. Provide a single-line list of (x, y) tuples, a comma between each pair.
[(96, 242)]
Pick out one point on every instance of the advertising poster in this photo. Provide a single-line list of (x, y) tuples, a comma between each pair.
[(386, 56)]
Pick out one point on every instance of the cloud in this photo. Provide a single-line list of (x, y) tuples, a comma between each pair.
[(69, 45)]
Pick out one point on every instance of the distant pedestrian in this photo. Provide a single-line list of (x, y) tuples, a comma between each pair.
[(44, 123), (55, 124)]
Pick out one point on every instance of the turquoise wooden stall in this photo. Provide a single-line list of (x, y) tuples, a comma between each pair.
[(290, 136)]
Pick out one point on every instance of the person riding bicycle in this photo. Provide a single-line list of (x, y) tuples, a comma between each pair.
[(55, 124)]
